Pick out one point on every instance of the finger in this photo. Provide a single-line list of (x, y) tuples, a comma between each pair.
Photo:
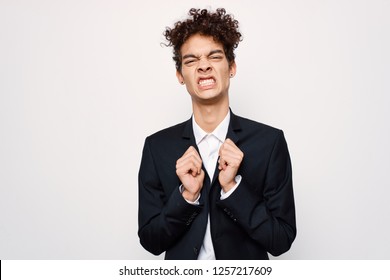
[(230, 143), (230, 155), (190, 154), (191, 151), (229, 158), (230, 146), (233, 163), (190, 158), (188, 168), (230, 150), (190, 165), (222, 164)]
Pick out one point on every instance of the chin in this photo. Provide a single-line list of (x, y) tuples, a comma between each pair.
[(210, 99)]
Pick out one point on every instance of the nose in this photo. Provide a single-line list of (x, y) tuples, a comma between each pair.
[(204, 66)]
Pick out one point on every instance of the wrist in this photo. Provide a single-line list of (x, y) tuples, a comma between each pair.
[(228, 186), (190, 196)]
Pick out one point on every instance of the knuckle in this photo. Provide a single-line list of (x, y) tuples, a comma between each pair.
[(192, 159)]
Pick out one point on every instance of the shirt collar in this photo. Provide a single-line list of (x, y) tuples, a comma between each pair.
[(219, 132)]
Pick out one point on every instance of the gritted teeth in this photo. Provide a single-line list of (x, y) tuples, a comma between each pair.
[(204, 82)]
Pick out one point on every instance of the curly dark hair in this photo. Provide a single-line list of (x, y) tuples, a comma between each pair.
[(221, 26)]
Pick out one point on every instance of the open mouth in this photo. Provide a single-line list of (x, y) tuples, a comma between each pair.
[(204, 82)]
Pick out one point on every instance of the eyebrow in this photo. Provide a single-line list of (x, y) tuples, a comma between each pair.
[(194, 56)]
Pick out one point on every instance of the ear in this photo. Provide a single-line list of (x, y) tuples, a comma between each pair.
[(180, 77), (233, 68)]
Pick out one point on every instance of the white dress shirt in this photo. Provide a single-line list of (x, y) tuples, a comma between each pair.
[(209, 145)]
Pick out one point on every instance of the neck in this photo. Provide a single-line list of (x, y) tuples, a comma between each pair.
[(208, 117)]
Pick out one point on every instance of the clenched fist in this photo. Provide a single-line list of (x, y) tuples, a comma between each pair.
[(189, 170), (230, 158)]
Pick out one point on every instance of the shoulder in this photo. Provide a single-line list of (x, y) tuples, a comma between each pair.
[(168, 144), (252, 126), (169, 133), (255, 134), (258, 140)]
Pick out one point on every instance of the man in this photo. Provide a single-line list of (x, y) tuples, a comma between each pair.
[(217, 186)]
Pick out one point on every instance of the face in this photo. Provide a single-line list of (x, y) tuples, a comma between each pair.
[(205, 69)]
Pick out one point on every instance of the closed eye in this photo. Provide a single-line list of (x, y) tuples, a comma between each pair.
[(188, 62)]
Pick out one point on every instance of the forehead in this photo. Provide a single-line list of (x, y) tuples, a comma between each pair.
[(199, 44)]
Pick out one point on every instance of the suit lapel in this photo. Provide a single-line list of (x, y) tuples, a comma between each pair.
[(188, 134), (234, 127)]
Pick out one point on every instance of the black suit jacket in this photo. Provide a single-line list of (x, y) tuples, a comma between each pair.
[(259, 216)]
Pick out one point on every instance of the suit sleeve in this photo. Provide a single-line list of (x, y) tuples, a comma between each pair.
[(162, 217), (270, 219)]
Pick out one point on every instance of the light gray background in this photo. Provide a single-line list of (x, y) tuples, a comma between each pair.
[(82, 83)]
